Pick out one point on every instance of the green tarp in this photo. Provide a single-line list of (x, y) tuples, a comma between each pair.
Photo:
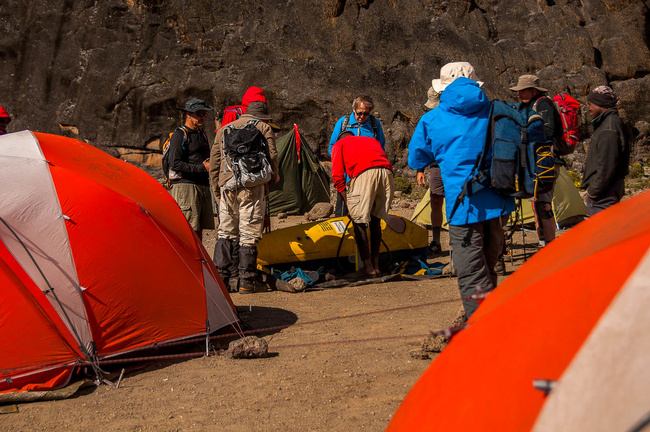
[(303, 180)]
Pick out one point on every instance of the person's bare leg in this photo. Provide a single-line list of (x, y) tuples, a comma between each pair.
[(375, 243)]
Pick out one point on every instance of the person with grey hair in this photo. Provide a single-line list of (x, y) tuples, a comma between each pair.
[(608, 155), (361, 123)]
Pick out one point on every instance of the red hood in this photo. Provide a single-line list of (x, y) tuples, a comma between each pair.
[(253, 94)]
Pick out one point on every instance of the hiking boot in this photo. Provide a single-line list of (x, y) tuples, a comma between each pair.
[(434, 249), (500, 267), (250, 287)]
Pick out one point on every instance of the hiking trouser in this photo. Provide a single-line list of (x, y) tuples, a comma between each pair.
[(195, 202), (241, 215), (611, 196), (476, 249)]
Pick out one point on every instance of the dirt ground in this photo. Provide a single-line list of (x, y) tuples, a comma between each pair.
[(342, 364)]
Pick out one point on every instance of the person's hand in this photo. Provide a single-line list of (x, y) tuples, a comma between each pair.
[(206, 164), (584, 195), (421, 180)]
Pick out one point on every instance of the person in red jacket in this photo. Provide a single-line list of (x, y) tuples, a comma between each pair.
[(5, 119), (368, 195)]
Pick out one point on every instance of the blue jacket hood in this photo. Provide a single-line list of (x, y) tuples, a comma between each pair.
[(464, 97)]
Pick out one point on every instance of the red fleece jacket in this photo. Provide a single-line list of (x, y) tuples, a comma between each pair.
[(353, 155)]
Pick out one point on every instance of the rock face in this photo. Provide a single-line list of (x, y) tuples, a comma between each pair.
[(113, 72)]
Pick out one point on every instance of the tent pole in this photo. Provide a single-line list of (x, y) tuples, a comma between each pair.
[(207, 338), (523, 230)]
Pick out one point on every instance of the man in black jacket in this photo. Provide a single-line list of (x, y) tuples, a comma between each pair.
[(532, 95), (608, 155), (189, 156)]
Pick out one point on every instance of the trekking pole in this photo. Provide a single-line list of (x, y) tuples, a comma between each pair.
[(523, 230)]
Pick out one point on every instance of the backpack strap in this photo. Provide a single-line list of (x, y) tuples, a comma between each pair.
[(184, 130), (346, 124), (534, 107), (373, 124)]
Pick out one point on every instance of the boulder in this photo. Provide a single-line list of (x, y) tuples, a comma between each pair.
[(320, 211)]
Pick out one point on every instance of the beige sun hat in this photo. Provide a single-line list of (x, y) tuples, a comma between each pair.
[(451, 71), (528, 81)]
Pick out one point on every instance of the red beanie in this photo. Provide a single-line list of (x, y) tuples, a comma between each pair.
[(253, 94)]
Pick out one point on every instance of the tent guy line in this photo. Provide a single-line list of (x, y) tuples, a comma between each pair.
[(236, 325)]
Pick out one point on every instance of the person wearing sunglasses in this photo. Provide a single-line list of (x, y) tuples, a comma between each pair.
[(360, 123), (189, 155)]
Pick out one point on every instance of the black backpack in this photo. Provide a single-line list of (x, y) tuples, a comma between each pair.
[(245, 146)]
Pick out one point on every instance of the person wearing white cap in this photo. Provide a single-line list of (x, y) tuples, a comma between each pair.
[(448, 73), (453, 135)]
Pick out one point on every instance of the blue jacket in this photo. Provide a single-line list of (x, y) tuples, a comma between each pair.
[(364, 130), (453, 135)]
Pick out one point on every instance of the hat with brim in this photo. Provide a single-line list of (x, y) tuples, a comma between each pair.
[(451, 71), (526, 82), (433, 99), (195, 105), (258, 110)]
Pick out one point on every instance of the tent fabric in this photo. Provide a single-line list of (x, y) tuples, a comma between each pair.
[(610, 374), (531, 327), (303, 181), (96, 258), (568, 205)]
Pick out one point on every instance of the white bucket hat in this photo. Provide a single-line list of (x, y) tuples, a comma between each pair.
[(451, 71)]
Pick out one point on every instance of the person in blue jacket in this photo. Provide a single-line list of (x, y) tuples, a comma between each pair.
[(361, 123), (453, 135)]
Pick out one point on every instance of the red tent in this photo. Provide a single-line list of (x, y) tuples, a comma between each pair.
[(96, 260), (531, 327)]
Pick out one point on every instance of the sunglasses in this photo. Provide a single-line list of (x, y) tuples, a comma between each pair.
[(362, 114), (200, 114)]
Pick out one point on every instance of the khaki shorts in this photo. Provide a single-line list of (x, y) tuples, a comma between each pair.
[(195, 202), (370, 193)]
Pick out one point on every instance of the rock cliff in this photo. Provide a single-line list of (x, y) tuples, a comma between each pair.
[(113, 72)]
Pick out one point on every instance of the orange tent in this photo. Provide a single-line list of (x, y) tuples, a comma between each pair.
[(531, 327), (96, 260)]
